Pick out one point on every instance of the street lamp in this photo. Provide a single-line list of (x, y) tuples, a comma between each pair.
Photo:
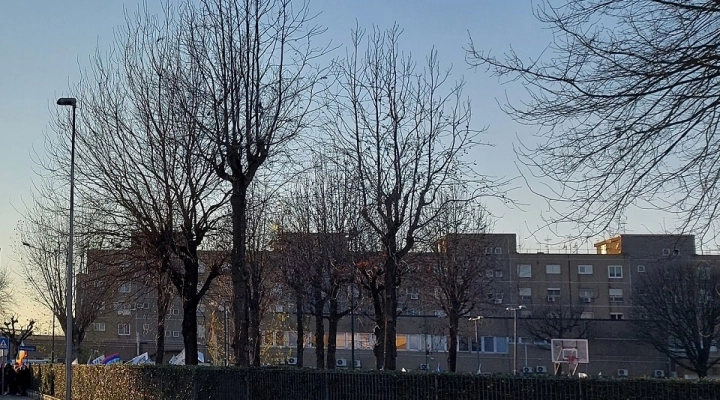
[(477, 340), (515, 338), (72, 102)]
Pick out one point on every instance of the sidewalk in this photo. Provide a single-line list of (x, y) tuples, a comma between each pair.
[(8, 397)]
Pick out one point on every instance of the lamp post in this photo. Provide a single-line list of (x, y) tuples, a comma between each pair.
[(72, 102), (515, 338), (477, 340), (352, 236)]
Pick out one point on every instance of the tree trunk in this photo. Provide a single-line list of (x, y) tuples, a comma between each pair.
[(390, 349), (319, 337), (452, 351), (189, 331), (378, 330), (299, 315), (379, 346), (332, 334), (239, 274), (254, 340)]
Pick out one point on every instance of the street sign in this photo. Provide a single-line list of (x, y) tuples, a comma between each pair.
[(4, 343), (27, 348)]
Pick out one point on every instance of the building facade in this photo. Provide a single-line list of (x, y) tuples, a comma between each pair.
[(568, 295)]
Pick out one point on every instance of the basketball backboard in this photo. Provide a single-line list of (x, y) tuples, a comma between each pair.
[(574, 351)]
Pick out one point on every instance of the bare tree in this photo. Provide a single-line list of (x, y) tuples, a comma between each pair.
[(42, 243), (677, 311), (558, 321), (16, 334), (626, 100), (145, 164), (250, 66), (319, 215), (403, 129), (456, 273)]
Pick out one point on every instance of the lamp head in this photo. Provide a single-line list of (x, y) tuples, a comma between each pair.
[(67, 101)]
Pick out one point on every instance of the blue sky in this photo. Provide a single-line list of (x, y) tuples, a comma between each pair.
[(45, 43)]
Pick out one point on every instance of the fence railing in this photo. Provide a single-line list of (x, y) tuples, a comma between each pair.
[(173, 382)]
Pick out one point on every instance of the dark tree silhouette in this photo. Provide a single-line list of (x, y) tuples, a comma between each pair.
[(677, 311), (626, 98)]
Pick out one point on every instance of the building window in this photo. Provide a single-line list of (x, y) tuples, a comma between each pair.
[(488, 250), (616, 295), (498, 250), (641, 268), (524, 270), (525, 293), (552, 269), (585, 269), (616, 316), (201, 267), (525, 313), (99, 326), (666, 252), (175, 311), (494, 344), (498, 298), (553, 294), (176, 333), (416, 342), (586, 293), (489, 273), (498, 273), (587, 315), (123, 329), (614, 271), (167, 333), (125, 287)]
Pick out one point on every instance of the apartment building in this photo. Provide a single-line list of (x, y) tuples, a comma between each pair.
[(571, 294)]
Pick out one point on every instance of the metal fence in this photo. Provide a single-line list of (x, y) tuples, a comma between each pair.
[(172, 382)]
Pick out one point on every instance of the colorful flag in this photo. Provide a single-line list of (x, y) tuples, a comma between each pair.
[(111, 359)]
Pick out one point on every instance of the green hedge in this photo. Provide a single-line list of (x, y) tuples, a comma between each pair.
[(164, 382)]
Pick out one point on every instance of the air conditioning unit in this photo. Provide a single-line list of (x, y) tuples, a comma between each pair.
[(423, 367), (551, 299), (357, 364), (587, 299), (659, 373), (292, 361), (622, 372), (528, 370), (541, 369), (341, 362)]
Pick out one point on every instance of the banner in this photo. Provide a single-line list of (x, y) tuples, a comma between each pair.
[(143, 358), (112, 359)]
